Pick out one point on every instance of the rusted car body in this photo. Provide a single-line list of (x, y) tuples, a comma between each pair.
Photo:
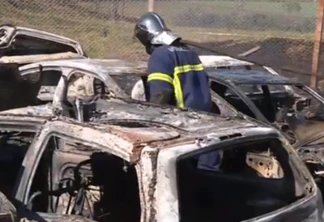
[(134, 161)]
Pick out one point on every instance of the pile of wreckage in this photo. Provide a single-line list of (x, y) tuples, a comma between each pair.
[(80, 144)]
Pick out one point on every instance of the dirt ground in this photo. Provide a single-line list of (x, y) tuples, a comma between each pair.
[(275, 52)]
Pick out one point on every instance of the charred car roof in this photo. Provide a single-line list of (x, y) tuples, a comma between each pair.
[(115, 111), (134, 125), (251, 77), (183, 120)]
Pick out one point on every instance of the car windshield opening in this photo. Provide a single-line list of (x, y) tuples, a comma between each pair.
[(235, 182), (291, 108)]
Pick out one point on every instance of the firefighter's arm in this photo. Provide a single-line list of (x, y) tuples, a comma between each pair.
[(160, 79)]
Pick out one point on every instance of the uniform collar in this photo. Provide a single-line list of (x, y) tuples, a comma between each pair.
[(150, 49)]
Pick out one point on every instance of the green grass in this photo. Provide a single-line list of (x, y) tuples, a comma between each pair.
[(170, 9), (102, 37)]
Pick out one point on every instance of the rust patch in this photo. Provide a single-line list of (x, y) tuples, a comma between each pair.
[(140, 139), (177, 142), (132, 135), (137, 148), (136, 154)]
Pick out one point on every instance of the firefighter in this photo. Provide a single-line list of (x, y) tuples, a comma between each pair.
[(176, 74)]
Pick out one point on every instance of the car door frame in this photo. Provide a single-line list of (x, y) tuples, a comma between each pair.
[(38, 147), (236, 89), (23, 124)]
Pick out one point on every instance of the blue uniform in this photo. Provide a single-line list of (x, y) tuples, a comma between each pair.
[(178, 70)]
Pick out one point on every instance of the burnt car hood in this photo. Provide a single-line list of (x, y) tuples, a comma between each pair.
[(15, 40)]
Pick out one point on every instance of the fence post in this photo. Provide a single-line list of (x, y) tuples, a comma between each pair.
[(150, 5), (317, 43)]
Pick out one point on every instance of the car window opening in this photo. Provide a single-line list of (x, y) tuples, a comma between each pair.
[(28, 45), (13, 146), (243, 182), (232, 99), (292, 112), (102, 187)]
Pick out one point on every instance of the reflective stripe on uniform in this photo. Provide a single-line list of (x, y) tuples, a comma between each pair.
[(176, 80), (177, 83), (160, 76), (188, 68)]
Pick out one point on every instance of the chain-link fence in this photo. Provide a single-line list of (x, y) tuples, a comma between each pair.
[(284, 30)]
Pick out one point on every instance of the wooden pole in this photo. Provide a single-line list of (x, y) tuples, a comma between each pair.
[(317, 43), (150, 5)]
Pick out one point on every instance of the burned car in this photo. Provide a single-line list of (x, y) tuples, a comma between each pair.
[(117, 159), (297, 112), (127, 160), (90, 77), (20, 46), (18, 41), (262, 94), (85, 77), (265, 97), (19, 92)]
